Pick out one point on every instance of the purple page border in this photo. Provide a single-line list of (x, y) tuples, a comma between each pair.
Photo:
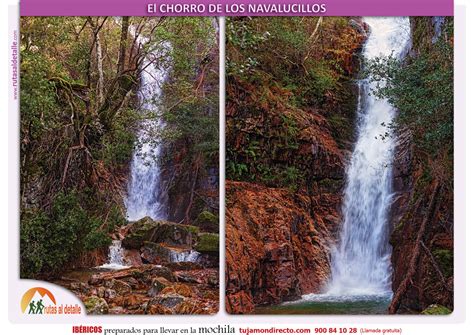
[(333, 7)]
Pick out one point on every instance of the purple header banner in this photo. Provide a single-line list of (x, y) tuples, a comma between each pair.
[(237, 7)]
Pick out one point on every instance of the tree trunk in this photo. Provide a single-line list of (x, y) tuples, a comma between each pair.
[(123, 44)]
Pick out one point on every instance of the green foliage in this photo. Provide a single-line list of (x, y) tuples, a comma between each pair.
[(445, 260), (280, 73), (436, 310), (422, 90), (117, 144), (80, 116), (236, 171), (197, 124), (50, 239), (291, 177)]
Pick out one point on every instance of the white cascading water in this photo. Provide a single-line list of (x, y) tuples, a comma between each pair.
[(145, 194), (184, 256), (361, 262), (116, 259)]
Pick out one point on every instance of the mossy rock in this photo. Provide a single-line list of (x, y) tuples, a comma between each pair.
[(207, 222), (208, 243), (436, 310), (445, 260), (97, 306), (160, 231)]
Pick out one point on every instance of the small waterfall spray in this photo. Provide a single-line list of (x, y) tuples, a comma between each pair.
[(361, 262), (116, 259)]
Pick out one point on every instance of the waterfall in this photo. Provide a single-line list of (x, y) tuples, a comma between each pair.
[(184, 256), (116, 258), (360, 263), (145, 194)]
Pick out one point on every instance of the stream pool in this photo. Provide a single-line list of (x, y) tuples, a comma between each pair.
[(331, 304)]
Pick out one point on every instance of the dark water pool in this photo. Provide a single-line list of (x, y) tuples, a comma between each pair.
[(327, 304)]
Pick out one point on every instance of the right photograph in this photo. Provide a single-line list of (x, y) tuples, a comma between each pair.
[(339, 165)]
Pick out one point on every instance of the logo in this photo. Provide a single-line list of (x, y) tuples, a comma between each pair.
[(38, 300)]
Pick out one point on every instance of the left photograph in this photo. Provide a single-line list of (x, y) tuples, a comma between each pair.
[(119, 161)]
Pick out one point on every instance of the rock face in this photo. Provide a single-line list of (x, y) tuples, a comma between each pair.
[(285, 172), (275, 249), (422, 237), (423, 211)]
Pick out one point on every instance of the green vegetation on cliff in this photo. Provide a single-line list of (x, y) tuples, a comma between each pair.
[(422, 89), (286, 77)]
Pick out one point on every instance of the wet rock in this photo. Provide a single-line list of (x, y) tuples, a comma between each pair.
[(79, 287), (157, 285), (180, 289), (431, 283), (160, 253), (275, 253), (132, 257), (190, 306), (142, 274), (134, 283), (159, 232), (170, 300), (119, 286), (186, 277), (151, 254), (109, 294), (208, 260), (207, 222), (213, 281), (154, 307), (239, 303), (95, 279), (96, 306), (101, 291), (130, 301), (183, 266)]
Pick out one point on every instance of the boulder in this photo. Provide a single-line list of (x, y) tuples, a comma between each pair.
[(181, 289), (153, 307), (169, 300), (119, 286), (132, 257), (157, 285), (207, 222), (208, 243), (161, 231), (110, 294), (95, 305), (157, 253)]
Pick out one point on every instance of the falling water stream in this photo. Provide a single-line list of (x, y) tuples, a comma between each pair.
[(145, 194), (361, 269)]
